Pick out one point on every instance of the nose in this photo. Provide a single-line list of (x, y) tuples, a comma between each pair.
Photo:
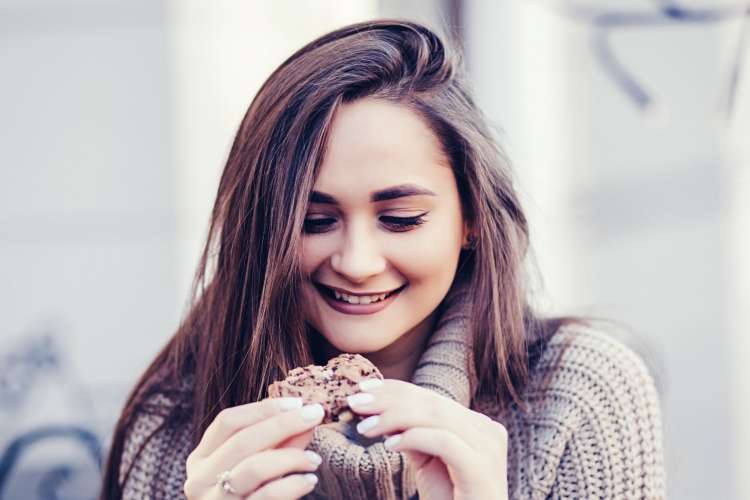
[(358, 257)]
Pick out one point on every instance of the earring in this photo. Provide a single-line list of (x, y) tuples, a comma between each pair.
[(471, 242)]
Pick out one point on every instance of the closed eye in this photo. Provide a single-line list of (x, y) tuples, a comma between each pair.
[(396, 224), (404, 222)]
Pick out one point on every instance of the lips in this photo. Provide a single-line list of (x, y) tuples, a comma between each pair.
[(328, 291), (356, 309)]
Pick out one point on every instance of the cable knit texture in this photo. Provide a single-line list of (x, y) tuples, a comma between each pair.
[(595, 432)]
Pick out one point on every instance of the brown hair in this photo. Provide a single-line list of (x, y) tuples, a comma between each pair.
[(243, 329)]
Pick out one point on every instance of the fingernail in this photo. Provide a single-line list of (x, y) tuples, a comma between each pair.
[(372, 383), (392, 441), (312, 412), (361, 398), (313, 457), (311, 478), (367, 424), (287, 404)]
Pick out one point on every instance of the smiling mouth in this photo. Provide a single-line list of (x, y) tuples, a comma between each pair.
[(334, 295)]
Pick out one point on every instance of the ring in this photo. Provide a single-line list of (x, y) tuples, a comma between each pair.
[(223, 481)]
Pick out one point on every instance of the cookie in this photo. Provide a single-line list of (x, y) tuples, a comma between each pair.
[(328, 385)]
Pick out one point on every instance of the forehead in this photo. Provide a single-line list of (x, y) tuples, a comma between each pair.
[(374, 144)]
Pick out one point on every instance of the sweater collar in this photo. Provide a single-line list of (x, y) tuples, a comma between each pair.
[(358, 470)]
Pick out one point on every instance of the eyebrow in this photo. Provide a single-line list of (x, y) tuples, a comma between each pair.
[(390, 193)]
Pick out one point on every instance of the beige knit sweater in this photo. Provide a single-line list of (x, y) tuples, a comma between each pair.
[(594, 433)]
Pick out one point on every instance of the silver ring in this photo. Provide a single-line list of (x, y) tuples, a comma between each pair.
[(223, 481)]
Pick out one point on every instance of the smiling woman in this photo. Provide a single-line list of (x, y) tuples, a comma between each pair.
[(390, 219), (366, 208)]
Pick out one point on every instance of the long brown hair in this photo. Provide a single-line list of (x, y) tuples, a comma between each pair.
[(243, 329)]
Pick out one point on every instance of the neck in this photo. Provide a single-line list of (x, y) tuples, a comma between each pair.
[(395, 361)]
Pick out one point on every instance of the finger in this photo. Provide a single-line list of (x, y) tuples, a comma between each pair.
[(447, 446), (376, 395), (373, 395), (392, 392), (433, 476), (417, 458), (231, 420), (433, 467), (300, 441), (294, 486), (265, 434), (261, 468), (394, 409)]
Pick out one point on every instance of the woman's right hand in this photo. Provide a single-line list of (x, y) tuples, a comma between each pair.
[(258, 443)]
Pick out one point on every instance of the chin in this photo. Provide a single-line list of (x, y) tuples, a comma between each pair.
[(357, 343)]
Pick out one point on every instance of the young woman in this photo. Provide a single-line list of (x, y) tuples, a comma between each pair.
[(366, 208)]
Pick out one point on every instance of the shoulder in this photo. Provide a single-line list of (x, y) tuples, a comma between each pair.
[(155, 448), (585, 359), (593, 424), (588, 374)]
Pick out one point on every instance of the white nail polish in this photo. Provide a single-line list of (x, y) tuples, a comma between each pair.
[(311, 478), (313, 457), (287, 404), (312, 412), (361, 398), (372, 383), (367, 424), (392, 441)]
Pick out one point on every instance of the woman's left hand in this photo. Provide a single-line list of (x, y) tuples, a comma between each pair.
[(459, 454)]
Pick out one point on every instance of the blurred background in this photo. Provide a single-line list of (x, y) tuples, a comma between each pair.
[(627, 122)]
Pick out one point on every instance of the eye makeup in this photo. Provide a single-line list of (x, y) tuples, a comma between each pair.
[(397, 224)]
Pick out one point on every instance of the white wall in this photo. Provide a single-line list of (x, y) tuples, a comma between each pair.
[(87, 217), (86, 194), (736, 235)]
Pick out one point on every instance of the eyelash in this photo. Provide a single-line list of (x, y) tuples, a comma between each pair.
[(402, 223)]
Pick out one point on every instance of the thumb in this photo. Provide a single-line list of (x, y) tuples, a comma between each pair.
[(416, 458)]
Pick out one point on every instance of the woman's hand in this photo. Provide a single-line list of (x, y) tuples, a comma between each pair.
[(459, 454), (258, 443)]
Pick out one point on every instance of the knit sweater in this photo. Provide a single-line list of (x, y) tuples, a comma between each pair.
[(594, 432)]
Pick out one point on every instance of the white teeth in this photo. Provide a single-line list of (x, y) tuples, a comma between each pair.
[(368, 299)]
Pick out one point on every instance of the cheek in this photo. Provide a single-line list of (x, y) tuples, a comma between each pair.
[(436, 249), (312, 254)]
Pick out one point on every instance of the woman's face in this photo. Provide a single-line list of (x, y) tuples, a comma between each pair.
[(383, 168)]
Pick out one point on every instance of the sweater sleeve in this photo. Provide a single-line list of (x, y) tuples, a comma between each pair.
[(615, 448), (154, 456)]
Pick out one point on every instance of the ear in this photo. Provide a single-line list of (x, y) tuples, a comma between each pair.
[(468, 236)]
